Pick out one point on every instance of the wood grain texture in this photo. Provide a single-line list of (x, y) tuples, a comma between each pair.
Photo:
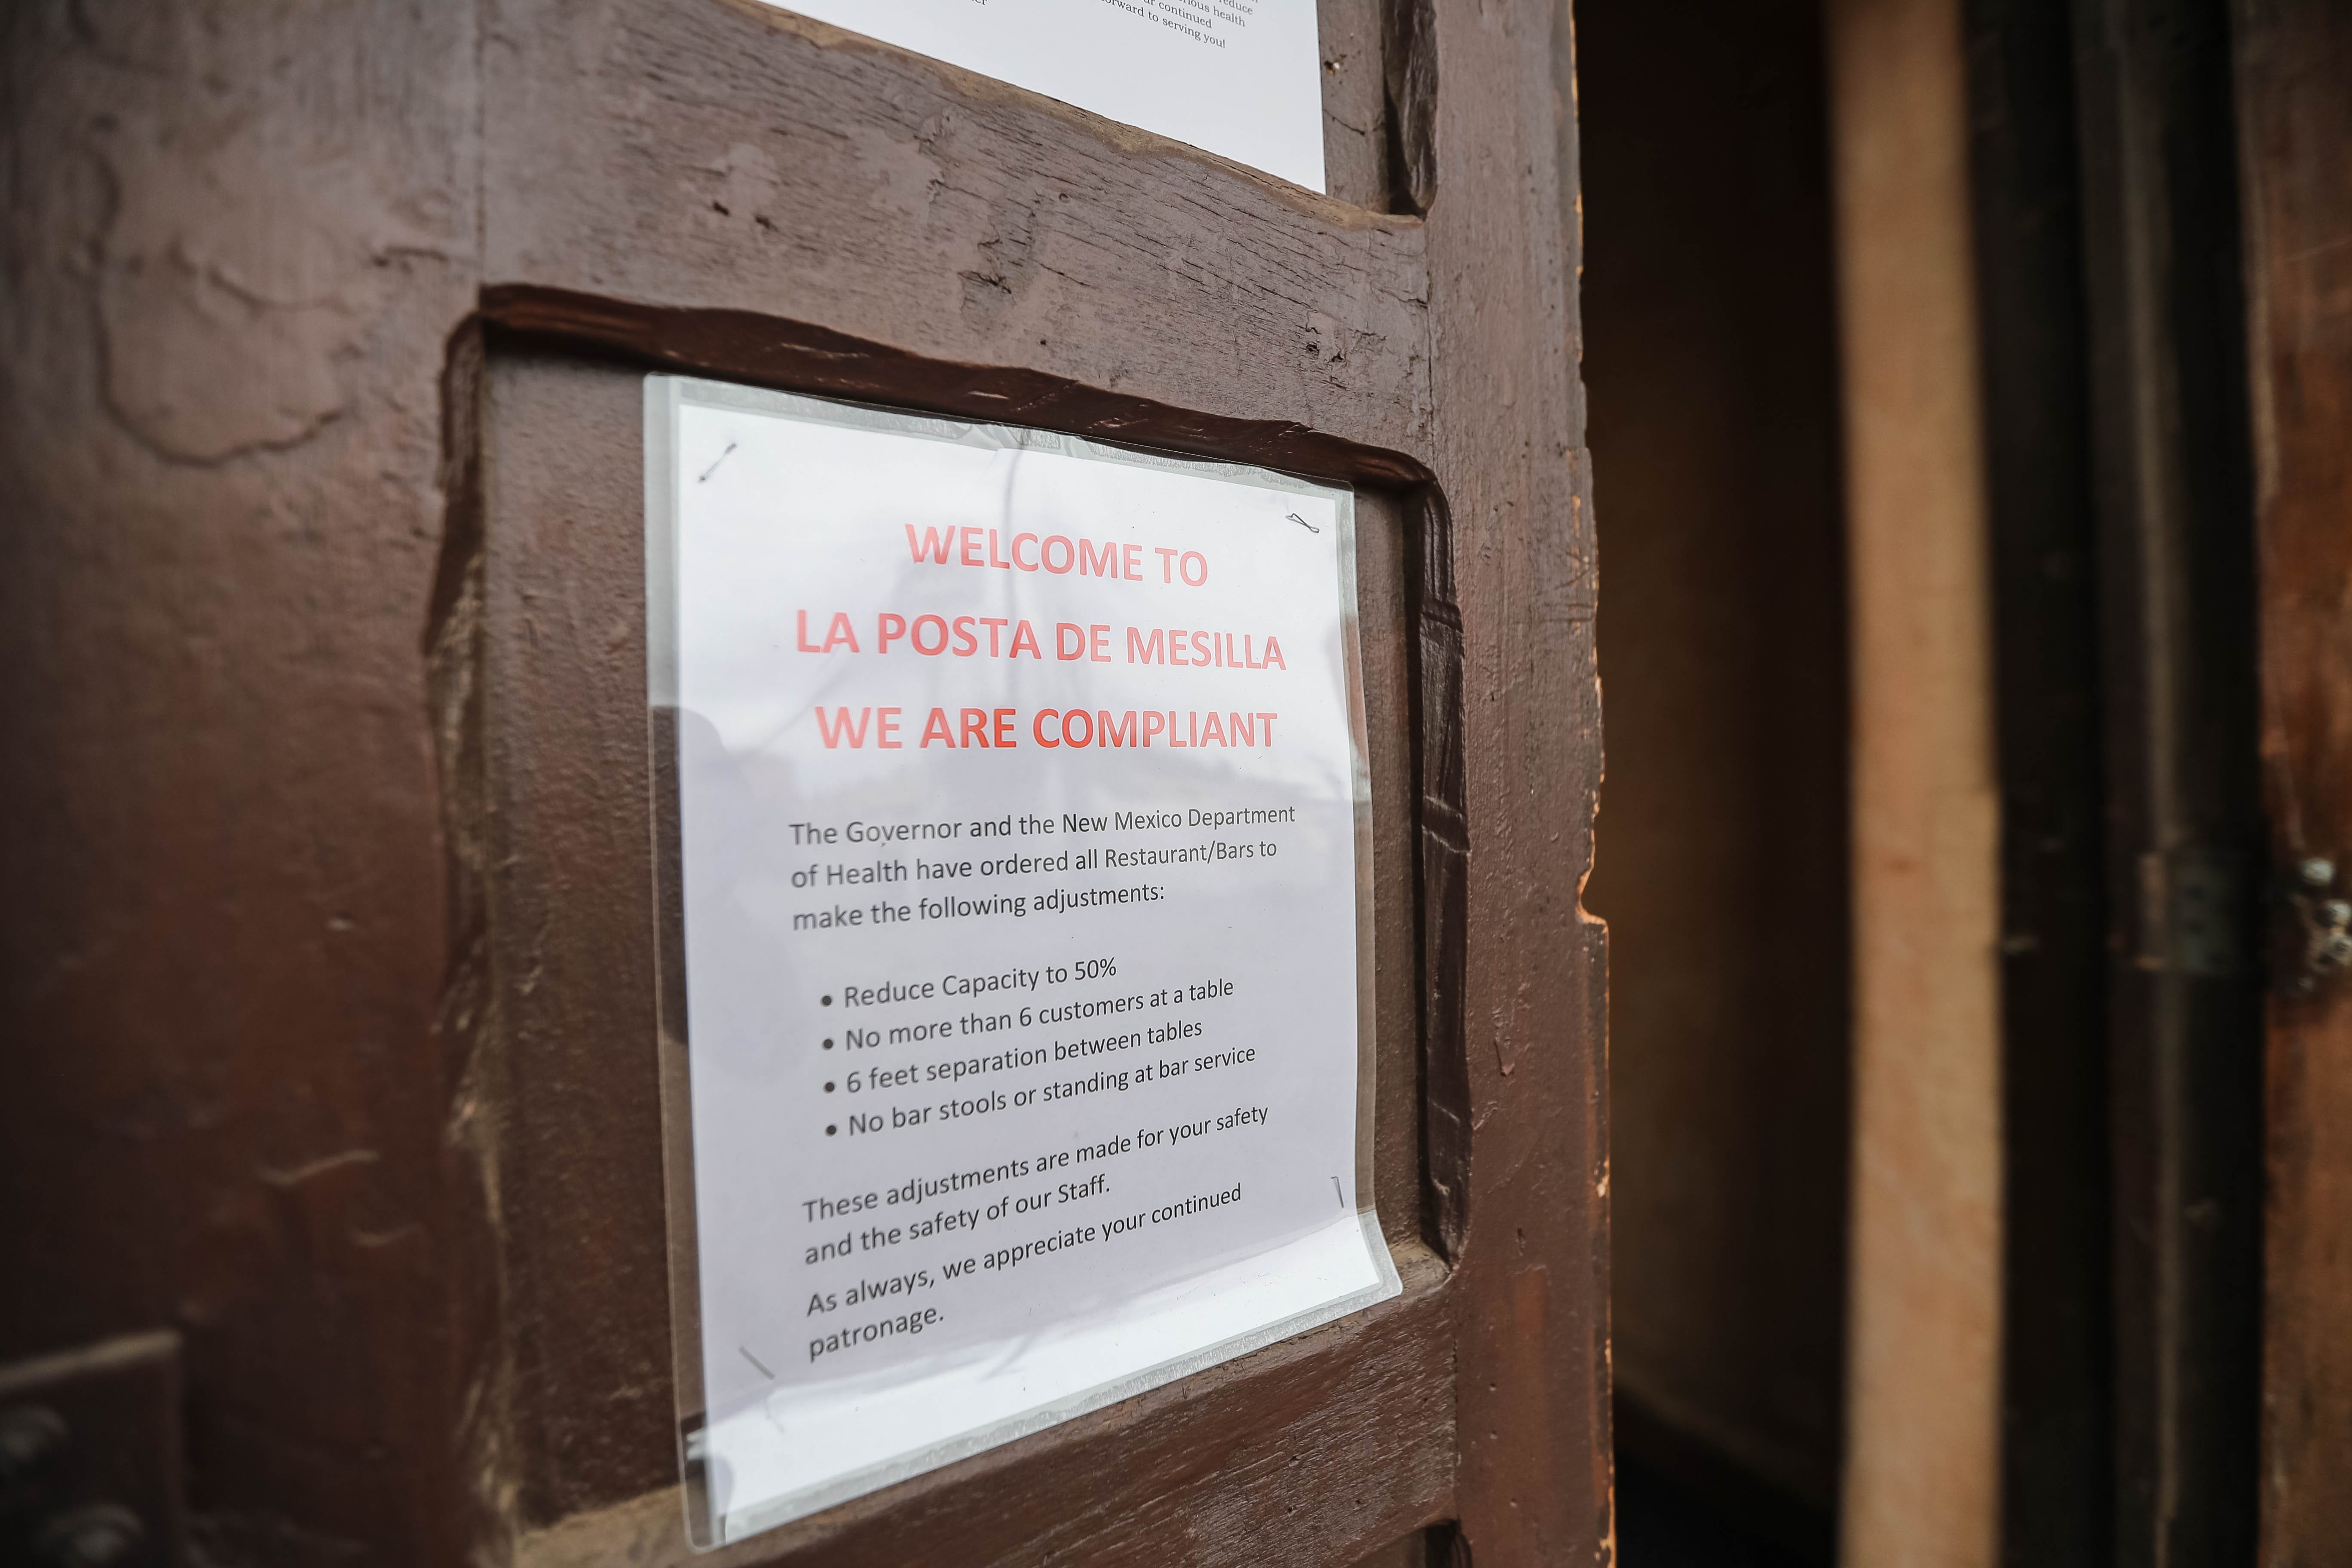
[(727, 155), (1258, 1461), (1442, 872), (1411, 74), (579, 1150), (1357, 142), (325, 893), (2293, 58), (1508, 447), (1384, 527), (746, 346), (224, 307), (2172, 488), (1542, 1333)]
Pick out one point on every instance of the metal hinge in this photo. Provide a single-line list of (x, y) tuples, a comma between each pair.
[(2195, 915)]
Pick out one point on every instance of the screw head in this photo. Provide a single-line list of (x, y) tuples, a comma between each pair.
[(2317, 871), (94, 1537), (32, 1437)]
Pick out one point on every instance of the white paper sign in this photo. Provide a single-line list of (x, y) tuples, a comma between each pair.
[(1237, 77), (1023, 833)]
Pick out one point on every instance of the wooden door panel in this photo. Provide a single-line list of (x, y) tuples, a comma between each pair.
[(577, 1149), (1116, 285), (331, 327), (1258, 1462), (2295, 147), (729, 156)]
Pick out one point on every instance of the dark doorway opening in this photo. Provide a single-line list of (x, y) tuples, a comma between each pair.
[(1711, 361)]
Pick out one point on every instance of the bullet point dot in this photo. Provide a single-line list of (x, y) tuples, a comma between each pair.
[(828, 1001), (828, 1045), (828, 1089), (828, 1131)]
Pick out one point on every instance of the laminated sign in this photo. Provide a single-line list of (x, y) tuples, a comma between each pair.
[(1012, 830)]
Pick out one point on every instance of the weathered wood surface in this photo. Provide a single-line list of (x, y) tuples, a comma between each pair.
[(1507, 444), (1244, 1464), (1151, 332), (237, 240), (329, 1074), (746, 346), (2174, 561), (2294, 58), (728, 155)]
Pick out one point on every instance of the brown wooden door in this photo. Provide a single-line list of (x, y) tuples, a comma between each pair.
[(2295, 144), (327, 780)]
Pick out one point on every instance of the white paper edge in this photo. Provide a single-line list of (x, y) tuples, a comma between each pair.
[(664, 395)]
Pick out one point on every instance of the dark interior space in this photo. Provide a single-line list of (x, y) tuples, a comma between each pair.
[(1722, 862), (2057, 1480), (1665, 1524)]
